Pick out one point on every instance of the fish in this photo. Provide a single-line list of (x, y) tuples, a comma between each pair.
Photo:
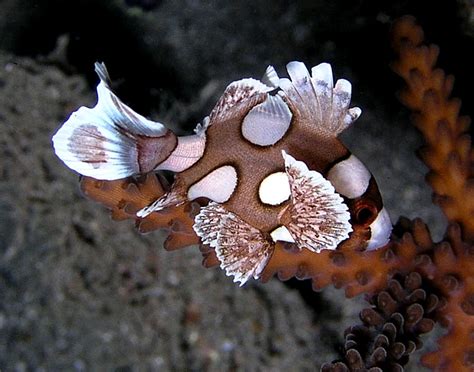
[(267, 159)]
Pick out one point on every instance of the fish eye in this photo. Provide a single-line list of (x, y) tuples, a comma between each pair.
[(365, 214)]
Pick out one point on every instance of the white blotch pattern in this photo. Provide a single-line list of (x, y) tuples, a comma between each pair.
[(282, 234), (217, 185), (267, 122), (188, 151), (350, 177), (274, 189)]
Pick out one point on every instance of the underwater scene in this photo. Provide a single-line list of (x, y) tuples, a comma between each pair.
[(236, 186)]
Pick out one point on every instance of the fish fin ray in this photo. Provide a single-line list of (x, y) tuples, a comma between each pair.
[(270, 77), (319, 218), (267, 122), (316, 100), (238, 97), (242, 250), (172, 198), (101, 142)]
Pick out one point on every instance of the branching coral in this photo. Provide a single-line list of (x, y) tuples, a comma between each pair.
[(448, 152), (412, 282), (390, 328), (125, 197), (435, 286), (449, 156)]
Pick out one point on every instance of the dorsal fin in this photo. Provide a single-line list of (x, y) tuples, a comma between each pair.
[(316, 101), (239, 96), (270, 77)]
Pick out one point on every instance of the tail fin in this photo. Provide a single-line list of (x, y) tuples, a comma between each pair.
[(110, 141)]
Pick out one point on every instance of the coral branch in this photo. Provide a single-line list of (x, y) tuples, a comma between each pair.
[(439, 281), (449, 265), (438, 287), (390, 329), (448, 151), (127, 196), (450, 268), (356, 271)]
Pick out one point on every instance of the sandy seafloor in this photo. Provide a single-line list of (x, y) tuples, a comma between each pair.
[(81, 292)]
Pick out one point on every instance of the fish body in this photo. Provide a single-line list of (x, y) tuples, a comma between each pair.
[(267, 158)]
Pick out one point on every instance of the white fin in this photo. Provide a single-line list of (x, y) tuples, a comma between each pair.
[(323, 83), (201, 128), (380, 229), (270, 77), (239, 95), (100, 142), (207, 223), (317, 102), (322, 77), (267, 122), (119, 114), (94, 150), (241, 249), (319, 218)]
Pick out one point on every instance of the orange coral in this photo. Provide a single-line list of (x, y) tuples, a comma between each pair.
[(356, 271), (125, 197), (450, 269), (412, 282), (448, 152), (444, 270)]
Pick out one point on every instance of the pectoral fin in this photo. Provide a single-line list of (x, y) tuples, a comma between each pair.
[(317, 216)]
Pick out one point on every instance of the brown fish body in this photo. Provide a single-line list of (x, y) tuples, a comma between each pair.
[(268, 159)]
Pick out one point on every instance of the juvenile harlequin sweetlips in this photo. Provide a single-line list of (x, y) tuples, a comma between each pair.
[(267, 158)]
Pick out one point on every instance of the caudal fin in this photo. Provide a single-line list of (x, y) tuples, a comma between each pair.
[(111, 141)]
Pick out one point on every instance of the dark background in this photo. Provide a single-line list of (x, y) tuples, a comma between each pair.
[(80, 292)]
